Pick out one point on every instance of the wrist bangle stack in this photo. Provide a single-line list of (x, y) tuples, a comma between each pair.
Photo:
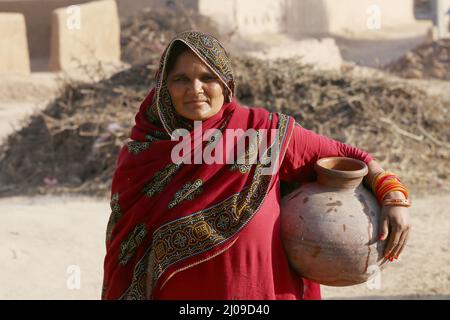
[(385, 182)]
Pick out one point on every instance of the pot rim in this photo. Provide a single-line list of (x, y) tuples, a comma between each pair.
[(320, 167)]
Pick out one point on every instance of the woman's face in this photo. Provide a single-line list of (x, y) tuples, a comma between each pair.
[(196, 92)]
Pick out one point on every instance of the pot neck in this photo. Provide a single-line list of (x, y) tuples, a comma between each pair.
[(340, 172), (336, 182)]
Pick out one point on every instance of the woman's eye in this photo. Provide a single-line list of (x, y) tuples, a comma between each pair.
[(209, 78), (181, 79)]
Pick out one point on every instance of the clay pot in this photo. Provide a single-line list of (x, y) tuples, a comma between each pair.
[(330, 227)]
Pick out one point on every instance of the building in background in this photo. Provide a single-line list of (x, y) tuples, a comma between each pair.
[(296, 18)]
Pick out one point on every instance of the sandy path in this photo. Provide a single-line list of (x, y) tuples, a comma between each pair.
[(41, 237)]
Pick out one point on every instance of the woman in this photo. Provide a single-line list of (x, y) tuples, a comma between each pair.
[(196, 230)]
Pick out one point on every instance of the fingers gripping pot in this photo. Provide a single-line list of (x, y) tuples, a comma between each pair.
[(329, 227)]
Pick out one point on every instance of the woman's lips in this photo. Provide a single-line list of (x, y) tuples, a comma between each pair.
[(196, 102)]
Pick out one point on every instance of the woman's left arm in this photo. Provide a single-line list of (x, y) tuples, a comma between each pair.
[(306, 147), (395, 220)]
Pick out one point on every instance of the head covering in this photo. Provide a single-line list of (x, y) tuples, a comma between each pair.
[(211, 52), (167, 216)]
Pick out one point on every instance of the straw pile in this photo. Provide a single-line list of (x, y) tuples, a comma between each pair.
[(429, 60)]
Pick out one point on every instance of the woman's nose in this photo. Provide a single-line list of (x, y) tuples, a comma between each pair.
[(196, 85)]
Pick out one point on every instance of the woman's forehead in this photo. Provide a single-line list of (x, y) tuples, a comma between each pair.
[(189, 62)]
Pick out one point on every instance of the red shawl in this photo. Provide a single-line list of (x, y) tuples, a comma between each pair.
[(168, 215)]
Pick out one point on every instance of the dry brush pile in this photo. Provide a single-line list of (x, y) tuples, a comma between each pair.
[(429, 60), (73, 144), (401, 126)]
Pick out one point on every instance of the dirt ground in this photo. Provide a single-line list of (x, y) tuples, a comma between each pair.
[(53, 248), (42, 238)]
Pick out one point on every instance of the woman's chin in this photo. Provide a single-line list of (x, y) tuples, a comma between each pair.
[(199, 115)]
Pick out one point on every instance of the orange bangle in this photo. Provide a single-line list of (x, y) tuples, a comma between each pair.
[(387, 185), (374, 180), (377, 178), (388, 182), (391, 186), (402, 190), (385, 180), (385, 177), (384, 173)]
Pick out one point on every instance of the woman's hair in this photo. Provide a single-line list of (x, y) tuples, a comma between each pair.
[(177, 49)]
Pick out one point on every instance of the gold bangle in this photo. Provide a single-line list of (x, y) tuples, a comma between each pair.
[(397, 202)]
